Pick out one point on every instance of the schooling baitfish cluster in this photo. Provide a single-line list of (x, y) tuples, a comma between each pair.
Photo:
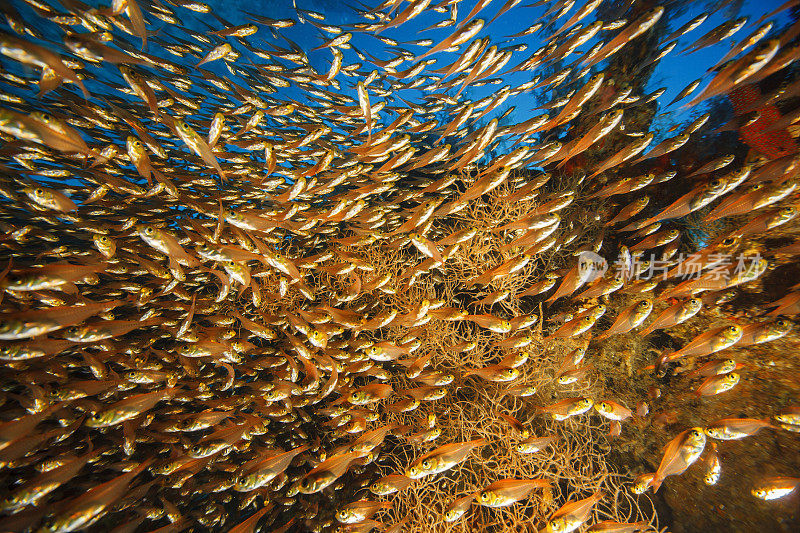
[(424, 266)]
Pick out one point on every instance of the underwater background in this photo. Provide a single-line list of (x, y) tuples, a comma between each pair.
[(454, 265)]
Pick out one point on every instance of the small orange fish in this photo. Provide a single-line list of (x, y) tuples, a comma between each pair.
[(572, 514), (20, 427), (26, 324), (359, 511), (326, 473), (580, 324), (371, 439), (505, 492), (81, 510), (677, 313), (717, 384), (707, 343), (693, 200), (568, 407), (38, 487), (572, 281), (764, 332), (260, 471), (613, 410), (492, 323), (715, 368), (773, 488), (458, 507), (129, 408), (250, 524), (50, 198), (534, 444), (496, 373), (681, 452), (369, 393), (49, 276), (629, 211), (426, 247), (630, 318), (442, 458), (736, 428), (390, 484)]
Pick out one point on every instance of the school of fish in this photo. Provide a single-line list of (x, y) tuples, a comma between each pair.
[(237, 289)]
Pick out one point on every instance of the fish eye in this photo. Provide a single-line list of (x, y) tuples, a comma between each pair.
[(426, 464), (241, 480), (149, 230), (39, 191), (694, 433), (733, 329)]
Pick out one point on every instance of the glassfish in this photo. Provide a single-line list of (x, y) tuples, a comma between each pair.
[(707, 343), (361, 510), (612, 410), (675, 314), (568, 407), (390, 484), (505, 492), (735, 428), (261, 471), (773, 488), (326, 473), (458, 507), (129, 408), (26, 324), (630, 318), (86, 509), (572, 515), (442, 458), (681, 452)]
